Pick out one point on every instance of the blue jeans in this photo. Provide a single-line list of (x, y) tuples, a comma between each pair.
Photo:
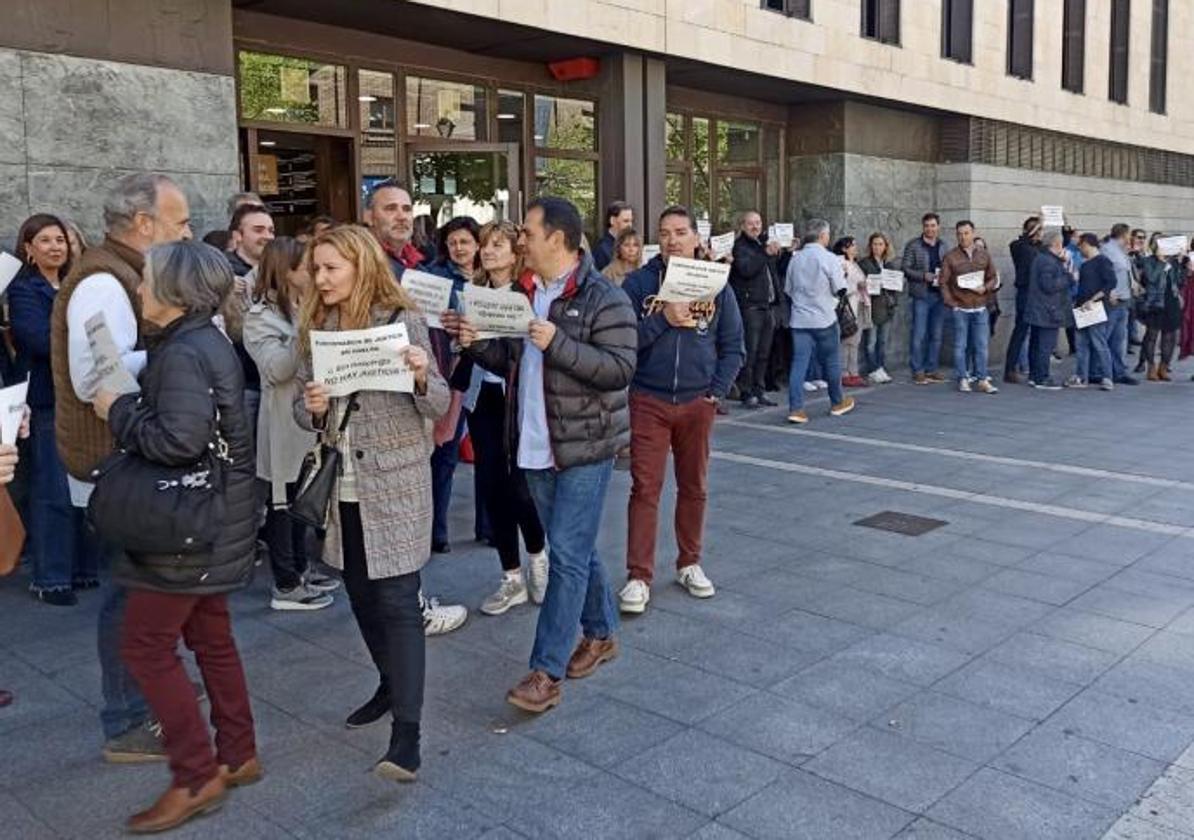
[(972, 332), (1015, 344), (1092, 341), (928, 320), (1117, 339), (124, 705), (63, 549), (443, 467), (1041, 343), (821, 345), (569, 503), (874, 346)]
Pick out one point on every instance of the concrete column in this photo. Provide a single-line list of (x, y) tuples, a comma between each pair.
[(632, 124)]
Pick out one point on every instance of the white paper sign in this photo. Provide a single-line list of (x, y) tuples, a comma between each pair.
[(1171, 246), (432, 294), (9, 266), (1052, 215), (874, 284), (361, 360), (688, 280), (972, 280), (108, 372), (783, 233), (704, 229), (892, 280), (12, 411), (497, 312), (722, 246), (650, 252), (1089, 315)]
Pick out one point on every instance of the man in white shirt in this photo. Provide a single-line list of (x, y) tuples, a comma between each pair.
[(142, 210)]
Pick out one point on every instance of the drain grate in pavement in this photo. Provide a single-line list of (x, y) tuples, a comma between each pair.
[(901, 523)]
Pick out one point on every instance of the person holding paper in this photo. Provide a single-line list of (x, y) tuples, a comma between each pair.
[(1048, 308), (968, 280), (64, 553), (815, 284), (140, 210), (1162, 278), (1119, 302), (688, 358), (379, 531), (566, 419), (880, 255), (619, 216), (628, 256), (922, 268), (1024, 251), (846, 249), (1096, 282), (753, 276)]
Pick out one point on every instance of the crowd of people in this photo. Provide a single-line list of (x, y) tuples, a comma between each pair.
[(218, 336)]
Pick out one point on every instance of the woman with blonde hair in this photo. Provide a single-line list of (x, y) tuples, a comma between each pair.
[(501, 486), (628, 252), (379, 529), (880, 254)]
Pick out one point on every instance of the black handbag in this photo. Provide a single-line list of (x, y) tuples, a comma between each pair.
[(847, 321), (150, 508), (317, 478)]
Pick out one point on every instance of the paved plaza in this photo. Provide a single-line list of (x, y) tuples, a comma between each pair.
[(1025, 670)]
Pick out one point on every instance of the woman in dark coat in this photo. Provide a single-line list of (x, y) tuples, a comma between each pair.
[(192, 396), (1162, 308)]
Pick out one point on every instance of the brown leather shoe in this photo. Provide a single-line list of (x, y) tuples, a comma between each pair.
[(537, 692), (589, 655), (935, 378), (1152, 373), (176, 806), (247, 774), (1163, 373), (1013, 378), (920, 379)]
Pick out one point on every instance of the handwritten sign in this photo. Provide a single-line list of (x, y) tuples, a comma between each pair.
[(972, 280), (12, 411), (9, 266), (650, 252), (497, 312), (108, 371), (1171, 246), (361, 360), (704, 229), (892, 280), (782, 232), (1090, 314), (1052, 215), (433, 294), (688, 280), (874, 284), (722, 246)]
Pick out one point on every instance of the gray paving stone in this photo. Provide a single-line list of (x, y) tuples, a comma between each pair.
[(806, 631), (995, 607), (672, 689), (1143, 680), (1149, 610), (414, 811), (955, 726), (903, 659), (851, 690), (784, 590), (1170, 801), (1096, 772), (905, 773), (865, 608), (1183, 624), (966, 635), (989, 551), (1173, 650), (1077, 569), (908, 586), (787, 730), (925, 829), (717, 831), (1015, 689), (800, 806), (1065, 660), (600, 730), (1035, 587), (743, 658), (1113, 545), (701, 772), (1129, 724), (1093, 630), (998, 806), (19, 823), (1132, 828), (950, 567)]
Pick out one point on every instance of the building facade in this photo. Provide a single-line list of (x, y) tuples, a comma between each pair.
[(866, 112)]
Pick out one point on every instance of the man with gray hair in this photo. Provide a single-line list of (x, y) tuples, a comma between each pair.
[(140, 211), (1048, 308), (815, 282)]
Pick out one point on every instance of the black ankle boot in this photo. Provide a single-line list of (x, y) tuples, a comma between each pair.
[(401, 760), (377, 707)]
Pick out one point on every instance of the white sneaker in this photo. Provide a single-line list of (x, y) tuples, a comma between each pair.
[(439, 619), (693, 579), (634, 597), (886, 376), (809, 387), (875, 377), (821, 384), (301, 598), (511, 593), (964, 386), (537, 567)]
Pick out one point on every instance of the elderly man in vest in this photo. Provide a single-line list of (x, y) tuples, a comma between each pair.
[(141, 210)]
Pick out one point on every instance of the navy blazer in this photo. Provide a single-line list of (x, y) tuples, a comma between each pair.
[(30, 302)]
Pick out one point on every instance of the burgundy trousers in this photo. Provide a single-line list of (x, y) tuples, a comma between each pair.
[(153, 623), (657, 427)]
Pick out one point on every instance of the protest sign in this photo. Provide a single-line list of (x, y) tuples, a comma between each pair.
[(361, 360), (9, 266), (704, 229), (1171, 246), (972, 280), (874, 284), (782, 232), (433, 294), (688, 280), (722, 245), (1052, 215), (1090, 314), (892, 280), (650, 252), (497, 312), (12, 411), (108, 372)]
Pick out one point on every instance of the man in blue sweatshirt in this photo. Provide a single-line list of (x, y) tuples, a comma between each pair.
[(688, 356)]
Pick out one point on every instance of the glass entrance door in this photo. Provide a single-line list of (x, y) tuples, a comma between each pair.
[(473, 179)]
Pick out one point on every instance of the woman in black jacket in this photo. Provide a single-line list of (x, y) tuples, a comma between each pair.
[(192, 397)]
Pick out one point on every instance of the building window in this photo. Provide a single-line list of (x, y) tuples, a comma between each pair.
[(1159, 57), (957, 30), (1073, 46), (375, 100), (445, 110), (1019, 38), (565, 139), (1117, 87), (881, 20), (792, 8), (282, 89)]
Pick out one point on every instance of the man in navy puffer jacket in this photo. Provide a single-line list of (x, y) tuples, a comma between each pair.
[(688, 356)]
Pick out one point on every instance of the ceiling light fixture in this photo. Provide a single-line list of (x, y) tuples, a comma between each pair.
[(367, 98)]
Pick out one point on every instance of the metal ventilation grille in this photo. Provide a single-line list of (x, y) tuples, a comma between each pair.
[(901, 523)]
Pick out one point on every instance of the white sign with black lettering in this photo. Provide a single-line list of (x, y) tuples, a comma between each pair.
[(892, 280), (1171, 246), (972, 280), (348, 361), (497, 312), (433, 294), (12, 411), (9, 266), (688, 280), (1090, 314), (722, 245), (704, 229), (108, 372), (1052, 215), (782, 232), (874, 284)]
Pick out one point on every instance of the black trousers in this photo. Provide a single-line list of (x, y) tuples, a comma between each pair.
[(286, 538), (504, 489), (781, 349), (1168, 343), (759, 328), (391, 621)]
